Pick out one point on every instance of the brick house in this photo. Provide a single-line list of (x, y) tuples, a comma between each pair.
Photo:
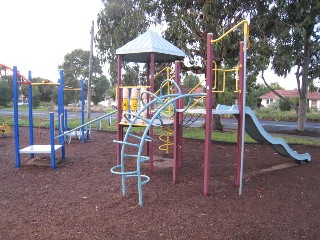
[(313, 98)]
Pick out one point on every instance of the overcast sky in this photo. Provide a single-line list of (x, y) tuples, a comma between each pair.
[(37, 34)]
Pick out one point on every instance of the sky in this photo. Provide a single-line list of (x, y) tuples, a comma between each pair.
[(37, 34)]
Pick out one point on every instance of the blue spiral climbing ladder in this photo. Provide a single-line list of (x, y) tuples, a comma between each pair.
[(159, 103)]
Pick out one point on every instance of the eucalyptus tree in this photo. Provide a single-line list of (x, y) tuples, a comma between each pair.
[(292, 29), (118, 23), (284, 31), (189, 22), (76, 68)]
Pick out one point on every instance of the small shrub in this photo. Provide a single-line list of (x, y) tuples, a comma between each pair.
[(285, 104)]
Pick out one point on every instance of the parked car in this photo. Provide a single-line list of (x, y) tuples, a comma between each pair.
[(74, 104)]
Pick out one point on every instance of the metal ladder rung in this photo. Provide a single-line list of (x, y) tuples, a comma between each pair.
[(142, 158), (147, 121), (127, 143), (147, 138), (114, 171), (147, 179)]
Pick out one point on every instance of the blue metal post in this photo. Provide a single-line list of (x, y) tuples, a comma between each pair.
[(61, 126), (15, 112), (60, 104), (82, 110), (53, 154), (31, 139)]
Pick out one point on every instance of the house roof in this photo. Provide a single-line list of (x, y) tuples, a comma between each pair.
[(139, 49), (199, 90), (290, 94)]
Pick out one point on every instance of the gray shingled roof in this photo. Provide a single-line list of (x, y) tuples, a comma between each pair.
[(139, 49)]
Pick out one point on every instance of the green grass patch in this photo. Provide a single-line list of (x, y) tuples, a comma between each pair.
[(194, 133)]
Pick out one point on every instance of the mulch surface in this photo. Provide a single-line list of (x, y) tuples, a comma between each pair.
[(82, 199)]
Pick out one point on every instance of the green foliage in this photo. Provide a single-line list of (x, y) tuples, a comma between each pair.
[(284, 31), (5, 91), (287, 103), (76, 68), (118, 23), (293, 34), (227, 98), (190, 81), (100, 89), (46, 91), (284, 104), (36, 97)]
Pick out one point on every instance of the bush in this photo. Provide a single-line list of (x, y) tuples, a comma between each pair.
[(285, 104)]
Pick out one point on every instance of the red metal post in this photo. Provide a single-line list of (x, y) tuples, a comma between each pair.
[(208, 118)]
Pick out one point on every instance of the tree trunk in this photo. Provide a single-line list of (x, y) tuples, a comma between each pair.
[(302, 115), (303, 90)]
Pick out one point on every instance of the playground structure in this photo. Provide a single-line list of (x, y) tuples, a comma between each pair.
[(157, 103), (63, 133), (33, 149)]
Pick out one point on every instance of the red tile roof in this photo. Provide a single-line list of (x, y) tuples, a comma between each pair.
[(198, 90), (291, 94)]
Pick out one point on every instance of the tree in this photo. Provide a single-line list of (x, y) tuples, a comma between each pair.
[(291, 28), (45, 91), (101, 86), (118, 23), (190, 81), (189, 22), (284, 31), (76, 68), (5, 91)]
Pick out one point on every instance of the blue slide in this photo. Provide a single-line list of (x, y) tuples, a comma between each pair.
[(254, 129)]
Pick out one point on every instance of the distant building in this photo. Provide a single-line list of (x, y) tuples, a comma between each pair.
[(270, 98)]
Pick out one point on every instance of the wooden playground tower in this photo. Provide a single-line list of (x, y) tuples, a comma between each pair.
[(177, 99), (143, 49)]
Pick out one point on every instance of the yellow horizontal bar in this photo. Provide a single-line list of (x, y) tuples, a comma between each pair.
[(37, 84), (69, 89)]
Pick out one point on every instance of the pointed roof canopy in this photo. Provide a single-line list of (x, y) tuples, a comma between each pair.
[(139, 49)]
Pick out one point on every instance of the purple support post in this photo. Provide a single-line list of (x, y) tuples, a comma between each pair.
[(119, 114), (208, 118)]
